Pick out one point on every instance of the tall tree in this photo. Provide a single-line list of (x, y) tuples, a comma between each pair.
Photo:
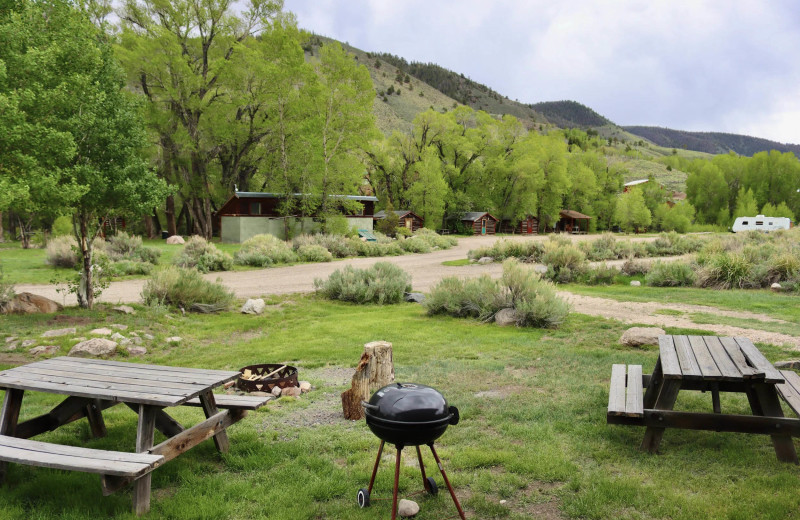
[(632, 213)]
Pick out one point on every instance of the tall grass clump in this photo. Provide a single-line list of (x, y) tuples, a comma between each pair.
[(672, 243), (414, 245), (129, 248), (726, 271), (203, 256), (435, 240), (670, 274), (62, 251), (314, 253), (525, 251), (383, 283), (184, 288), (533, 300), (564, 261), (263, 251)]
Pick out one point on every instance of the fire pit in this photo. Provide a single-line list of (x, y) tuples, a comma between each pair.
[(265, 377), (408, 414)]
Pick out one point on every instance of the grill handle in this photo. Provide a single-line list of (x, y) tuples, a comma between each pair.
[(454, 415), (369, 406)]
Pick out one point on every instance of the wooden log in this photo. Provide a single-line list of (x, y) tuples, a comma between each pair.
[(381, 364), (359, 390)]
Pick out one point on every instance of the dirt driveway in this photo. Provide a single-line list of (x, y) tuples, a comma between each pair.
[(427, 269)]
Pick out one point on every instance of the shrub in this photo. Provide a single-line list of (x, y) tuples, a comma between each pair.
[(632, 267), (314, 253), (184, 287), (672, 243), (534, 300), (402, 232), (339, 246), (62, 226), (564, 261), (783, 267), (337, 225), (434, 239), (6, 290), (479, 298), (129, 248), (670, 274), (62, 251), (524, 251), (382, 283), (264, 251), (372, 249), (600, 275), (203, 256), (414, 245), (128, 267), (725, 271)]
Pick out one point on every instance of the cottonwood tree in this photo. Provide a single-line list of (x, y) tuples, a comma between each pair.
[(632, 213)]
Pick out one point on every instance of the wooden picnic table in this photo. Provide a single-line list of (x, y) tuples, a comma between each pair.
[(93, 385), (713, 364)]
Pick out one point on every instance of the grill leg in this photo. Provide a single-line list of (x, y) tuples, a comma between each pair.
[(425, 485), (375, 469), (446, 481), (396, 482)]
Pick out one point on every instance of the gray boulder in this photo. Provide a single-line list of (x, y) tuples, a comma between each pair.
[(776, 287), (253, 306), (416, 297), (28, 343), (137, 351), (44, 350), (636, 283), (485, 260), (124, 309), (638, 336), (407, 508), (27, 303), (59, 332), (95, 347), (103, 331), (175, 240), (506, 317)]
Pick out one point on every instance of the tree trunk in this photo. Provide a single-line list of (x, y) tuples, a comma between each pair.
[(381, 364), (85, 286), (148, 227), (24, 233), (375, 370), (359, 390), (156, 223), (172, 228)]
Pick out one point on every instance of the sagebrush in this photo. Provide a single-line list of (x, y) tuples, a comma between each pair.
[(382, 283)]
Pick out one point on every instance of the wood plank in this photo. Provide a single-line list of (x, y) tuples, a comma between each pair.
[(69, 410), (94, 414), (133, 397), (665, 401), (770, 406), (616, 394), (145, 433), (73, 462), (689, 367), (78, 451), (725, 364), (633, 401), (133, 372), (790, 390), (118, 385), (704, 359), (754, 424), (670, 366), (757, 359), (209, 405), (97, 374), (9, 416), (736, 355), (109, 363), (245, 402)]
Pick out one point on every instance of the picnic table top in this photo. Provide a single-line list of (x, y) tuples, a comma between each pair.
[(115, 380), (713, 358)]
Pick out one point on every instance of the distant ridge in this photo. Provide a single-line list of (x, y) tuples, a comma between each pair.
[(570, 114), (710, 142)]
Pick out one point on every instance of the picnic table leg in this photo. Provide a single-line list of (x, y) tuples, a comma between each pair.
[(94, 413), (651, 393), (145, 433), (210, 408), (667, 393), (9, 415), (770, 406)]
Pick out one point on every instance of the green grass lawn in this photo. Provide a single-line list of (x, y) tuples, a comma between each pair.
[(532, 432)]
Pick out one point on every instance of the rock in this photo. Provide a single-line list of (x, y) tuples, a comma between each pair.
[(137, 351), (276, 391), (124, 341), (12, 346), (136, 340), (793, 364), (133, 334), (253, 306), (407, 508), (485, 260), (101, 332), (503, 502), (59, 332), (119, 326), (27, 303), (305, 386), (636, 283), (11, 338), (505, 317), (174, 339), (540, 268), (416, 297), (94, 347), (124, 309), (148, 337), (117, 336), (28, 343), (260, 394), (776, 287), (291, 391), (637, 336), (44, 350), (175, 239)]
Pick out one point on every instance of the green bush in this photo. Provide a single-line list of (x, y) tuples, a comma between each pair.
[(414, 245), (62, 251), (62, 226), (128, 267), (402, 232), (314, 253), (203, 256), (599, 275), (382, 283), (337, 225), (435, 240), (564, 261), (479, 298), (726, 271), (263, 251), (633, 267), (124, 247), (672, 243), (184, 287), (372, 249), (534, 300), (524, 251), (670, 274)]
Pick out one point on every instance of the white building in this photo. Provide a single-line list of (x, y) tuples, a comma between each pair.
[(760, 223)]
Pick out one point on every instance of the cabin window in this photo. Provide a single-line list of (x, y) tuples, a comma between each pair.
[(759, 223), (255, 208)]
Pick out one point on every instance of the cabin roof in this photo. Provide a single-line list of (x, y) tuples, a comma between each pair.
[(637, 182), (475, 215), (573, 214), (399, 212)]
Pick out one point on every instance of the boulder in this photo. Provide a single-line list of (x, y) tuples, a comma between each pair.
[(253, 306), (485, 260), (124, 309), (407, 508), (103, 331), (28, 343), (506, 317), (291, 391), (12, 346), (638, 336), (305, 386), (11, 338), (174, 339), (44, 350), (117, 336), (59, 332), (416, 297), (260, 394), (94, 347), (27, 303), (175, 240), (636, 283), (137, 351), (148, 337), (119, 326), (276, 391), (776, 287)]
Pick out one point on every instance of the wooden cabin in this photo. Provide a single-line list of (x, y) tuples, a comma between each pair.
[(572, 222), (482, 223), (405, 218), (247, 213), (527, 226)]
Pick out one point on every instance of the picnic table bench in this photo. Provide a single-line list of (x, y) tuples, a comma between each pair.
[(706, 363), (93, 385)]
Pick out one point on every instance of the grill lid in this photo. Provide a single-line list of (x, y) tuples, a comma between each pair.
[(409, 403)]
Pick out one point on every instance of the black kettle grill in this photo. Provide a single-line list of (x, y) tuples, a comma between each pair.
[(408, 414)]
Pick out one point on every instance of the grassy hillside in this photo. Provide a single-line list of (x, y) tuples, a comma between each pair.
[(570, 114), (710, 142)]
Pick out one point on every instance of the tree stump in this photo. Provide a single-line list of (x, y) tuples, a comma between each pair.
[(375, 370)]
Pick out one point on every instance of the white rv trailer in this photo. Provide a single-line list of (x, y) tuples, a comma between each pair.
[(760, 223)]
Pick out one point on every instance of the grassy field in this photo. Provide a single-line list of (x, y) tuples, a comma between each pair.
[(532, 433)]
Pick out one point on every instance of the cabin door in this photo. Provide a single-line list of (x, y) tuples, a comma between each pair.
[(410, 223), (483, 226)]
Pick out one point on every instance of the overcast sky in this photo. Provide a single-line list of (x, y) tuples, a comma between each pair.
[(721, 65)]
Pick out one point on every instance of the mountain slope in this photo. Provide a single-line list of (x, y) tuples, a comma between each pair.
[(709, 142), (570, 114)]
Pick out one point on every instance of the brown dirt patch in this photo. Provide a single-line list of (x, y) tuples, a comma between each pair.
[(13, 359)]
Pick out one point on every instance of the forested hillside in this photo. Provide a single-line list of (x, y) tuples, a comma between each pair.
[(570, 114), (710, 142)]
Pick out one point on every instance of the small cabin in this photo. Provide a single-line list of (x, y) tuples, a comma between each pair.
[(760, 223), (405, 218), (247, 214), (527, 226), (482, 223), (572, 222)]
